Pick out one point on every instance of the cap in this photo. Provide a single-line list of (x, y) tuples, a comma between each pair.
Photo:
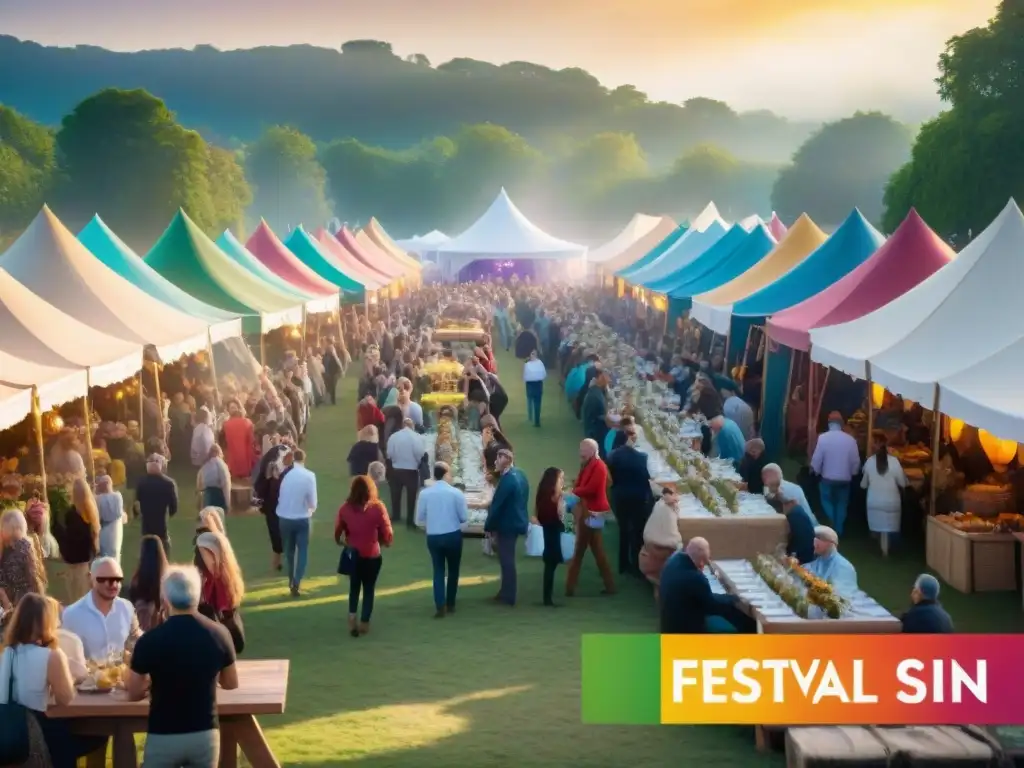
[(825, 533)]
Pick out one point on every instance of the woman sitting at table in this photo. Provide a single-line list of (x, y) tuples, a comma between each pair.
[(41, 672), (661, 535)]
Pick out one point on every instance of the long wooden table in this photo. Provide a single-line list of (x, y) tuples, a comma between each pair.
[(262, 690), (737, 537)]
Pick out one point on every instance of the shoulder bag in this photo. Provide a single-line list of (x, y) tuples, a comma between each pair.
[(15, 744), (347, 562)]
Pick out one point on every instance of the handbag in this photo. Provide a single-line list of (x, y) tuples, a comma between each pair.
[(232, 622), (347, 563), (15, 744)]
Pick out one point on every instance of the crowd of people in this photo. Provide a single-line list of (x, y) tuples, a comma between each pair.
[(167, 618)]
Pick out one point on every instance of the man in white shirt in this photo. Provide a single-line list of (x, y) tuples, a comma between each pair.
[(105, 623), (295, 507), (534, 374), (405, 451), (442, 511)]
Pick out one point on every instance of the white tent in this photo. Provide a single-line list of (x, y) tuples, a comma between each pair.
[(964, 313), (639, 226), (751, 222), (422, 244), (504, 233), (686, 250), (43, 346), (51, 262), (706, 218)]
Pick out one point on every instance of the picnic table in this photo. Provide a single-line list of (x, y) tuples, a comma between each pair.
[(262, 688)]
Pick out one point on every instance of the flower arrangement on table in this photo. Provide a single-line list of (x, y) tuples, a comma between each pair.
[(441, 399), (799, 588)]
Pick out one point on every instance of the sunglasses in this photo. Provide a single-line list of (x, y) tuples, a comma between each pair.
[(109, 579)]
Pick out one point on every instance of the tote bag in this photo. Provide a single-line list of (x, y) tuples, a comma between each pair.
[(15, 745), (347, 562), (534, 541)]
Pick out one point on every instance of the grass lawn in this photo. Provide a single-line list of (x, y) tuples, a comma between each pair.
[(490, 686)]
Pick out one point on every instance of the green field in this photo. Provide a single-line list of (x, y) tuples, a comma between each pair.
[(490, 686)]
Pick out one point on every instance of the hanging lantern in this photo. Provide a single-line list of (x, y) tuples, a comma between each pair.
[(119, 395), (1000, 452), (52, 423), (660, 303), (877, 395), (956, 428)]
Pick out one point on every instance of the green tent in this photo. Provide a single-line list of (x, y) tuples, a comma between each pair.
[(185, 256), (309, 252)]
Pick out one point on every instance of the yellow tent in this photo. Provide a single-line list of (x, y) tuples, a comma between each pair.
[(714, 308), (376, 232)]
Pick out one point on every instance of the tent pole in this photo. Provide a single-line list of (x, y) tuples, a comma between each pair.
[(162, 429), (871, 410), (263, 349), (821, 400), (789, 386), (933, 491), (764, 377), (302, 339), (87, 402), (37, 422), (728, 339), (213, 369), (811, 386), (142, 399)]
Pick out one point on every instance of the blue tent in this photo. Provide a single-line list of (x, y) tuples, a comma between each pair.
[(703, 263), (847, 248), (754, 247), (654, 254), (689, 247), (309, 252), (112, 251)]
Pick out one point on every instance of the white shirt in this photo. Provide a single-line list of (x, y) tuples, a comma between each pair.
[(100, 635), (441, 508), (662, 528), (72, 646), (296, 499), (31, 688), (405, 449), (534, 370)]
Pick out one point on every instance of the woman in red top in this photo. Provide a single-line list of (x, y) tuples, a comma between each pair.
[(223, 585), (549, 507), (368, 413), (592, 490), (363, 525)]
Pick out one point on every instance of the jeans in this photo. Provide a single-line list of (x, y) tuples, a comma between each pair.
[(835, 497), (409, 480), (534, 394), (331, 388), (507, 563), (199, 749), (445, 553), (295, 537), (363, 578)]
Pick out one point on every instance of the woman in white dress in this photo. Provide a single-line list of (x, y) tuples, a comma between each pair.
[(884, 480), (110, 504)]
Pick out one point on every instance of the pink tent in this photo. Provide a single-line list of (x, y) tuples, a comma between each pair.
[(370, 256), (777, 228), (347, 262), (274, 254), (912, 254)]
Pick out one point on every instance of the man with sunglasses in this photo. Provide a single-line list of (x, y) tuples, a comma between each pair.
[(104, 621)]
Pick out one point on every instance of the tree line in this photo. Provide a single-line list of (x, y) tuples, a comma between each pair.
[(124, 155)]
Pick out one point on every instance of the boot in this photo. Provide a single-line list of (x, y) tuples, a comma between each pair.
[(364, 627), (352, 625)]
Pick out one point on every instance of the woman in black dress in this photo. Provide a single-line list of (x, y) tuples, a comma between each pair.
[(267, 488)]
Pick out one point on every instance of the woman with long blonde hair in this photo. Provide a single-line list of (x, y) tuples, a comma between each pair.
[(79, 539), (223, 585)]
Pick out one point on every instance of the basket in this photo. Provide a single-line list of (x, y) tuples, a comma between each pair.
[(987, 500)]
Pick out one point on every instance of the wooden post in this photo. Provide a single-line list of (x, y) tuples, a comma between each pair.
[(728, 339), (37, 422), (263, 349), (764, 374), (789, 386), (162, 428), (142, 400), (302, 339), (91, 463), (213, 368), (871, 410), (933, 493), (811, 371)]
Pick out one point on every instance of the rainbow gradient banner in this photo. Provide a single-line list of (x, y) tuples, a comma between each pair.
[(803, 679)]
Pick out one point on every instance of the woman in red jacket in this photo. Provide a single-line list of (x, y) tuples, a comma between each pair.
[(592, 490), (363, 525)]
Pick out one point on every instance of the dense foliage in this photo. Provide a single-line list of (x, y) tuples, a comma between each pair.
[(969, 161)]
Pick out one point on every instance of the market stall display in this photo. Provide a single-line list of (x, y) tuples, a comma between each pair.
[(462, 450), (445, 389), (973, 554)]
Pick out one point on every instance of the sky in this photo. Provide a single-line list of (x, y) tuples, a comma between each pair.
[(808, 59)]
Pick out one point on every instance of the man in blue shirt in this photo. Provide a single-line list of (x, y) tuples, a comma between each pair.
[(507, 520), (729, 439), (441, 510)]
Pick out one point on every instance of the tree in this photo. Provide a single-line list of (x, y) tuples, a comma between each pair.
[(969, 161), (288, 179), (230, 193), (26, 169), (844, 165), (124, 156), (602, 161)]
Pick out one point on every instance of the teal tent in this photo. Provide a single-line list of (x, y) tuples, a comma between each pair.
[(309, 252), (654, 254)]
